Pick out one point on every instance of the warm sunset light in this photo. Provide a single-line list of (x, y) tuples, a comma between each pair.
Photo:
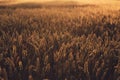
[(85, 1), (59, 39), (82, 1)]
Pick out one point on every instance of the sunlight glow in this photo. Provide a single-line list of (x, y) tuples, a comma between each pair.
[(79, 1), (87, 1)]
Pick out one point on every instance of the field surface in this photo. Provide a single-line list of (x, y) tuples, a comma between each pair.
[(62, 41)]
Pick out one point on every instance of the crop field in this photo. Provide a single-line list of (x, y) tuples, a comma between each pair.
[(62, 42)]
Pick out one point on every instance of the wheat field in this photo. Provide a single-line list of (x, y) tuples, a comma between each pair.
[(60, 42)]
